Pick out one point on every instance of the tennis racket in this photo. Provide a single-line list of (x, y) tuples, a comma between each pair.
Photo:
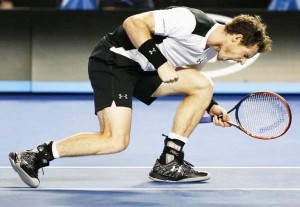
[(262, 115)]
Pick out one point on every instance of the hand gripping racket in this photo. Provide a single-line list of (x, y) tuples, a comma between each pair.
[(262, 115)]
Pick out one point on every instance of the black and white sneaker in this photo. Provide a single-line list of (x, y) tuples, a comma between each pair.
[(27, 164), (177, 171)]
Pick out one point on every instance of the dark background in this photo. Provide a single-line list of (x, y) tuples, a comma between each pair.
[(158, 3), (55, 45)]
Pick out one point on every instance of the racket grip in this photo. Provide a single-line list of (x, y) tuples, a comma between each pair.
[(206, 119)]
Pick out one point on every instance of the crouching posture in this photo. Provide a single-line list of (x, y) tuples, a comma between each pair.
[(153, 54)]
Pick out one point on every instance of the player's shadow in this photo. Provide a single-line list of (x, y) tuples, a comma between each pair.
[(154, 184)]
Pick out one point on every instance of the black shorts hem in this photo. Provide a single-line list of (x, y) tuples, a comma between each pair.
[(101, 107)]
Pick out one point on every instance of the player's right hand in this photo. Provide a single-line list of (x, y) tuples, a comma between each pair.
[(167, 73), (220, 116)]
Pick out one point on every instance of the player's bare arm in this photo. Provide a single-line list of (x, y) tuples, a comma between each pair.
[(139, 29)]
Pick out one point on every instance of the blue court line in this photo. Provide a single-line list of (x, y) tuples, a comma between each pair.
[(15, 86), (85, 87), (60, 87)]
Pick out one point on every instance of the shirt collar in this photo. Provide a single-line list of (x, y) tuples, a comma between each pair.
[(209, 33)]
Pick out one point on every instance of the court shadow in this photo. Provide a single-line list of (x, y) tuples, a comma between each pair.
[(155, 184), (148, 197), (79, 198)]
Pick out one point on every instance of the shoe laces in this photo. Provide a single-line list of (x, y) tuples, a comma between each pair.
[(188, 164), (183, 162)]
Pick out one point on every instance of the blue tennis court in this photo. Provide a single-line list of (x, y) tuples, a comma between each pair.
[(245, 171)]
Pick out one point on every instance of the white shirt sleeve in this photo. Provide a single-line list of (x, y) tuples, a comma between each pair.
[(174, 22)]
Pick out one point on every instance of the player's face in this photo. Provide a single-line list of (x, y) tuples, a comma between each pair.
[(234, 50)]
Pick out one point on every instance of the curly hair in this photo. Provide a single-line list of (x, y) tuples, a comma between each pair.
[(253, 30)]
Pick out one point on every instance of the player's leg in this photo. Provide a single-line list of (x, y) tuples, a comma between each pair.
[(114, 114), (112, 85), (116, 122), (113, 139), (196, 87), (198, 90)]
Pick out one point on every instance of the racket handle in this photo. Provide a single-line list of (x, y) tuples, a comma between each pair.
[(206, 119)]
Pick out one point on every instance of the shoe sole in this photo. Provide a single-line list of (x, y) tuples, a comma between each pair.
[(160, 178), (31, 182)]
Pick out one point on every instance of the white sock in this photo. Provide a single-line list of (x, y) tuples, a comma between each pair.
[(177, 136), (54, 151)]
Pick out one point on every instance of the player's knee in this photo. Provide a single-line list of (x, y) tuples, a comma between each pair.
[(209, 86), (208, 83), (120, 143), (204, 86)]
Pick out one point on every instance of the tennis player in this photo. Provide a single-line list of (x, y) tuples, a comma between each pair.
[(153, 54)]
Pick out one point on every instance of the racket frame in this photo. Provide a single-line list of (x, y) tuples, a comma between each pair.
[(239, 125)]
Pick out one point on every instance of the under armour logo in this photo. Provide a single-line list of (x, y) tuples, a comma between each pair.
[(176, 169), (200, 60), (173, 168), (152, 51), (125, 96)]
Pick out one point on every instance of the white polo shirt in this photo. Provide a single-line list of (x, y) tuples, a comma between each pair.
[(182, 35)]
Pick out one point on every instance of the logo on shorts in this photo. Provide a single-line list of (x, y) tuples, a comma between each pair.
[(121, 96), (152, 51)]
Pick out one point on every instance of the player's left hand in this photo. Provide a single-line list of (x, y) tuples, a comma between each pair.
[(220, 116)]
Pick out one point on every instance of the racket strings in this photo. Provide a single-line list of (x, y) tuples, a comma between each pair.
[(263, 115)]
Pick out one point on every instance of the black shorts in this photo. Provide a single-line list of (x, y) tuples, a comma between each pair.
[(117, 78)]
